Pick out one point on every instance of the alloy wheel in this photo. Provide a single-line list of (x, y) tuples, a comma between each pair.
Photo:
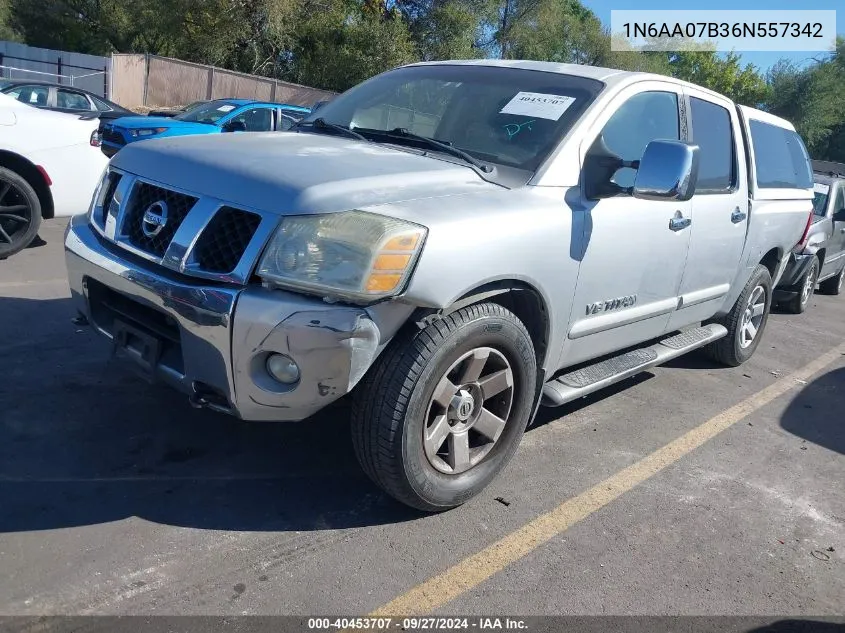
[(15, 214), (468, 410), (752, 317)]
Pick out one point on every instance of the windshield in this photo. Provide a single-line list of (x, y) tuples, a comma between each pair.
[(210, 112), (509, 116), (820, 195)]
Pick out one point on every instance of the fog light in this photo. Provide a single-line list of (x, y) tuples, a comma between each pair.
[(283, 368)]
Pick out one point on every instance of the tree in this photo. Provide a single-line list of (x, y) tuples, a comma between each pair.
[(6, 31), (724, 75), (339, 47)]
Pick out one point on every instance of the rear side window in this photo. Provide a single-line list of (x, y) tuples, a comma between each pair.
[(712, 132), (780, 157), (821, 191)]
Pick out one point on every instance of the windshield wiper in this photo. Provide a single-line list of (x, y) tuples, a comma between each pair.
[(321, 124), (446, 148)]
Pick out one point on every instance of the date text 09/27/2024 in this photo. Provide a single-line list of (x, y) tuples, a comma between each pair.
[(417, 624)]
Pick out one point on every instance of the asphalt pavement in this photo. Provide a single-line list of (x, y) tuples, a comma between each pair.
[(690, 490)]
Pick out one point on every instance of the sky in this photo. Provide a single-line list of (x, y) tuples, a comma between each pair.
[(763, 60)]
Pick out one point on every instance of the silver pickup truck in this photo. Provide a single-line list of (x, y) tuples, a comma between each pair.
[(455, 243)]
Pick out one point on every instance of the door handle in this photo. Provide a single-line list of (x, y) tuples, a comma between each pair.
[(679, 222), (738, 216)]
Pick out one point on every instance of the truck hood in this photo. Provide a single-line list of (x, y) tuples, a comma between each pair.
[(289, 172), (136, 122)]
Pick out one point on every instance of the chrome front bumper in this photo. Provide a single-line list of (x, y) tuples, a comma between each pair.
[(214, 339)]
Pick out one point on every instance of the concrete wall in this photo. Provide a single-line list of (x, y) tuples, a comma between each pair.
[(153, 81)]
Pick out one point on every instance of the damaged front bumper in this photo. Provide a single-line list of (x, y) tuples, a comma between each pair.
[(212, 341)]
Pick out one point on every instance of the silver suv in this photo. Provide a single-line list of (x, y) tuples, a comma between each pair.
[(820, 256), (456, 243)]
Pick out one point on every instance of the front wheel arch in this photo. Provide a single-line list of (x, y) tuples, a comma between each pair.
[(29, 172)]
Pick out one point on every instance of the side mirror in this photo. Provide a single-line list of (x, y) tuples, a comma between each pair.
[(235, 126), (668, 170)]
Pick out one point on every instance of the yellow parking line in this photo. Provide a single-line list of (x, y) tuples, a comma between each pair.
[(475, 569)]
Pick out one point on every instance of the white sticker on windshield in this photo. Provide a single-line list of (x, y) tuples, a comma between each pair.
[(226, 108), (821, 188), (538, 105)]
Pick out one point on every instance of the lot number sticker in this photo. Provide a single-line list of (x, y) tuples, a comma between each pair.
[(538, 105), (821, 188)]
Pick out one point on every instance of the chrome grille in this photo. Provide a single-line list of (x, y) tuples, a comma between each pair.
[(142, 198), (222, 243), (201, 237), (113, 180)]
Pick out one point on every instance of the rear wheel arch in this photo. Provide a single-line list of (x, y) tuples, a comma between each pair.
[(772, 260), (29, 172)]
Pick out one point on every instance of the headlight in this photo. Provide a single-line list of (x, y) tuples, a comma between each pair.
[(149, 131), (355, 255)]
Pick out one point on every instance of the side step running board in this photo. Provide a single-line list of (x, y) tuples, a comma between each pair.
[(586, 380)]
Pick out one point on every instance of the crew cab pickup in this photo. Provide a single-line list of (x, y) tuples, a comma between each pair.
[(455, 244)]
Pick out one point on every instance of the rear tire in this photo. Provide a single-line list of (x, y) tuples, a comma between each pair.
[(745, 322), (442, 411), (833, 286), (806, 287), (20, 213)]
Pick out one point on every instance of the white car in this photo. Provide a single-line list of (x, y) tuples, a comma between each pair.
[(48, 168)]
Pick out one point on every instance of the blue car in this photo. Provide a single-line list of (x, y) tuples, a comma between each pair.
[(212, 117)]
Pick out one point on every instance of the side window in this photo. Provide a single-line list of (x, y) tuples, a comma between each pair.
[(285, 122), (840, 199), (712, 132), (821, 191), (101, 105), (254, 120), (71, 100), (643, 118), (33, 95), (780, 157)]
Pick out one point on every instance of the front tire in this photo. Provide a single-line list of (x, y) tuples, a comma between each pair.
[(20, 213), (833, 286), (806, 288), (745, 322), (444, 408)]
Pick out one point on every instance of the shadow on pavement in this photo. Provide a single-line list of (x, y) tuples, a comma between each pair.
[(84, 441), (816, 413), (800, 626)]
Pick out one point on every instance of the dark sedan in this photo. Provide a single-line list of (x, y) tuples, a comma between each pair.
[(61, 98)]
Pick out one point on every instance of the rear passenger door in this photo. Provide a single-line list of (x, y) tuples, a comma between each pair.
[(719, 208)]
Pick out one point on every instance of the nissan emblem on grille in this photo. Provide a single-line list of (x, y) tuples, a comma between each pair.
[(154, 219)]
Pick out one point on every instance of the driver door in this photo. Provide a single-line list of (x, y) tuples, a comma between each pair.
[(634, 251)]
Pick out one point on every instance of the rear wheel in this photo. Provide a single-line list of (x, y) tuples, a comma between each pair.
[(444, 408), (833, 286), (807, 287), (745, 322), (20, 213)]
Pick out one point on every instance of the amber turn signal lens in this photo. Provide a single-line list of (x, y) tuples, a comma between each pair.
[(391, 262), (381, 282)]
